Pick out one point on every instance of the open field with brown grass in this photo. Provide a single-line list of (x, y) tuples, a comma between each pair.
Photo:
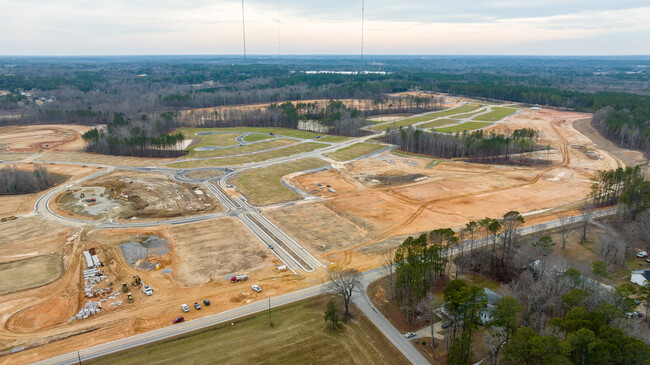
[(355, 151), (256, 157), (238, 150), (29, 273), (298, 336)]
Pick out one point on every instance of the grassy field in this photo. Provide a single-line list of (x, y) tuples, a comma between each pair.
[(438, 123), (29, 273), (263, 186), (461, 109), (277, 142), (256, 157), (218, 140), (467, 115), (354, 151), (256, 137), (427, 116), (497, 113), (299, 336), (467, 126), (333, 139), (278, 131)]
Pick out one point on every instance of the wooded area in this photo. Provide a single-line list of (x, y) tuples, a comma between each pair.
[(15, 181)]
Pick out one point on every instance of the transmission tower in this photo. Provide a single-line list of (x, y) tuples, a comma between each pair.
[(243, 25), (362, 19)]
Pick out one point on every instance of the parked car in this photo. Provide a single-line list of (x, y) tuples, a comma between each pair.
[(206, 302), (178, 320), (409, 335), (446, 325), (256, 288), (642, 254), (185, 308), (197, 306)]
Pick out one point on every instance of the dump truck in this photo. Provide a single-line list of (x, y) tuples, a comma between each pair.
[(239, 277), (136, 280), (124, 287), (129, 297)]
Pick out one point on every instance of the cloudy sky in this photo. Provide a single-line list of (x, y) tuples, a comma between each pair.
[(423, 27)]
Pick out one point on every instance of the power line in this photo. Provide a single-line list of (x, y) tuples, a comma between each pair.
[(243, 25), (362, 19)]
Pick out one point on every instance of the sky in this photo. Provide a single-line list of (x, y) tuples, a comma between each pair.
[(416, 27)]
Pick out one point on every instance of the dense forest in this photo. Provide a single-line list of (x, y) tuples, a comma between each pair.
[(480, 146), (15, 181), (126, 137), (91, 90)]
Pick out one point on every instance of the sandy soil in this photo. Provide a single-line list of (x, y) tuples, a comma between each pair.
[(24, 203), (39, 137)]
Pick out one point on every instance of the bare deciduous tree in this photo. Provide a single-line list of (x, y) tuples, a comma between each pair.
[(344, 282)]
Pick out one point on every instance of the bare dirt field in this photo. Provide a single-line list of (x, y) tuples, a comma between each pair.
[(30, 237), (38, 137), (136, 194), (93, 158), (209, 251)]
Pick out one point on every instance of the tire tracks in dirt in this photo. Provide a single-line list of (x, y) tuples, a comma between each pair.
[(566, 160)]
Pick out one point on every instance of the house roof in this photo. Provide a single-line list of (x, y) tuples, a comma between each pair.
[(644, 273), (492, 296)]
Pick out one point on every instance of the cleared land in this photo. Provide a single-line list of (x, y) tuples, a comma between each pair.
[(355, 151), (36, 138), (427, 116), (204, 174), (334, 139), (264, 186), (93, 158), (256, 137), (255, 157), (496, 114), (298, 336), (438, 123), (208, 251), (277, 131), (217, 140), (467, 126), (238, 150), (29, 273)]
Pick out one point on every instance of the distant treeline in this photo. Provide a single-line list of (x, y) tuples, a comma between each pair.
[(15, 181), (478, 145), (126, 137), (624, 118)]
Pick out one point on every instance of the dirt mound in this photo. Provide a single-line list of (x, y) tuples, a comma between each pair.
[(136, 254), (389, 180)]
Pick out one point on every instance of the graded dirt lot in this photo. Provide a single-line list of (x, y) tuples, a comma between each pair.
[(136, 194), (208, 251), (30, 237), (298, 336), (38, 137)]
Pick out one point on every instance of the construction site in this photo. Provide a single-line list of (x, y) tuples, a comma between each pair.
[(117, 248)]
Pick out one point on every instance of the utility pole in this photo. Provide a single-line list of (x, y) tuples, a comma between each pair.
[(79, 357), (243, 25), (270, 323)]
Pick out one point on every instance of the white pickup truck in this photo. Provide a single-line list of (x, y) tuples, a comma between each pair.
[(147, 290)]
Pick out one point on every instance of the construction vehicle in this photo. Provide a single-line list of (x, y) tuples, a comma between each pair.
[(129, 297), (124, 288), (240, 277), (136, 280)]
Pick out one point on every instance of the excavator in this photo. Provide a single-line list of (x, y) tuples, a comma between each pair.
[(136, 280)]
